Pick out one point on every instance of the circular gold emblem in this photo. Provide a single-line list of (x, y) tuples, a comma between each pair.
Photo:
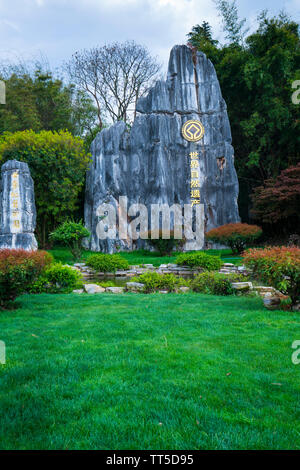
[(192, 130)]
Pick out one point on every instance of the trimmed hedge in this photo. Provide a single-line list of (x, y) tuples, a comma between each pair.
[(154, 282), (199, 260), (107, 263), (237, 236)]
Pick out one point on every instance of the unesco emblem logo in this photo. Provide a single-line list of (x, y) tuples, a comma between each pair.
[(192, 130)]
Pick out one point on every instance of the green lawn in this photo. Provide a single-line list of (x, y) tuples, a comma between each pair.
[(134, 371), (142, 256)]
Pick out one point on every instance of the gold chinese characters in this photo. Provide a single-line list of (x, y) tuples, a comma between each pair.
[(15, 198), (195, 185)]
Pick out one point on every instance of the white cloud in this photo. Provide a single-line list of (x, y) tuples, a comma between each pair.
[(60, 27)]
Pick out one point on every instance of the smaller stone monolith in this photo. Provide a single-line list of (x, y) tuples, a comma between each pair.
[(17, 207)]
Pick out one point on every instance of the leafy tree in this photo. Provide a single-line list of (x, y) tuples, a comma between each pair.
[(201, 35), (258, 73), (37, 100), (71, 234), (278, 201), (58, 162), (234, 27)]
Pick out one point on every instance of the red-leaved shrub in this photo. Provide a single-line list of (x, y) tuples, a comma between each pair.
[(18, 269), (278, 266), (237, 236)]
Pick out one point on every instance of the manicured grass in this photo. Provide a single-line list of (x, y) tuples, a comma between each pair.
[(134, 371), (142, 256)]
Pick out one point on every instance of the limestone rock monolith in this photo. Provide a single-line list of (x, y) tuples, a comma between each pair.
[(17, 207), (150, 163)]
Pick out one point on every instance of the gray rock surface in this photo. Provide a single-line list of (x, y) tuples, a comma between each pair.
[(17, 207), (135, 286), (115, 290), (150, 163), (93, 289)]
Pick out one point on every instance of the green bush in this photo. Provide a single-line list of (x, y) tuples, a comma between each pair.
[(212, 283), (165, 246), (154, 281), (57, 278), (71, 234), (199, 260), (18, 269), (107, 263)]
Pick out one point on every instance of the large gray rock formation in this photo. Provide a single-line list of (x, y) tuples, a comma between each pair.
[(17, 207), (151, 164)]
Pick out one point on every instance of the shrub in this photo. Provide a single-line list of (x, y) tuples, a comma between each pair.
[(71, 234), (237, 236), (57, 278), (165, 246), (213, 283), (277, 266), (18, 269), (199, 259), (107, 263), (154, 281)]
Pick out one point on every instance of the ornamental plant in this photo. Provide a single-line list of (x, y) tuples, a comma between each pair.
[(211, 283), (236, 236), (107, 263), (154, 282), (71, 234), (278, 266), (165, 246), (57, 278), (18, 269), (199, 260)]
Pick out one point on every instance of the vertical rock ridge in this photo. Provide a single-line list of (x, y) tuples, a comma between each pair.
[(150, 164)]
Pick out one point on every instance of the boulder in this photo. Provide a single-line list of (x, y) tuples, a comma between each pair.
[(115, 290), (271, 302), (242, 286), (17, 207), (183, 289), (135, 286), (150, 163), (93, 289)]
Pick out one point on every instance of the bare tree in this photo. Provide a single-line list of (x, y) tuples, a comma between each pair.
[(115, 75)]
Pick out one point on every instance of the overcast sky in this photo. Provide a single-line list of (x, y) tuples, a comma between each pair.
[(57, 28)]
